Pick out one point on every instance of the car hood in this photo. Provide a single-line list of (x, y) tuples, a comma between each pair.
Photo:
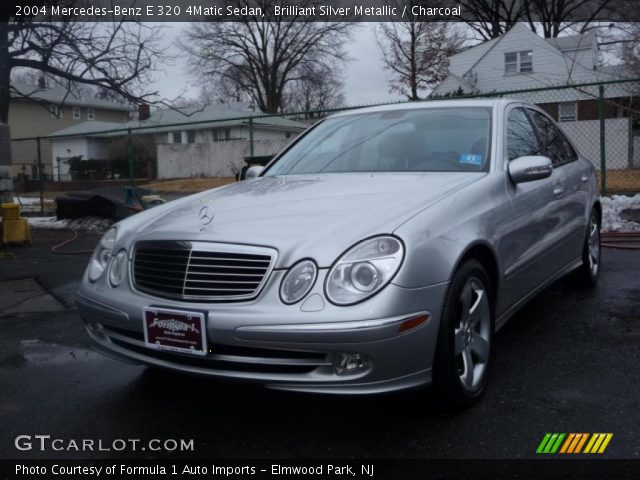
[(316, 216)]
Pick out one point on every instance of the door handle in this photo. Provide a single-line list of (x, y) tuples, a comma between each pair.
[(585, 179), (558, 190)]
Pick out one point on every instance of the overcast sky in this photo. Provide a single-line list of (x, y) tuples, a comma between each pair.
[(364, 78)]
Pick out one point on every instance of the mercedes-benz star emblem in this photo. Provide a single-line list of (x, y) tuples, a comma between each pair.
[(205, 215)]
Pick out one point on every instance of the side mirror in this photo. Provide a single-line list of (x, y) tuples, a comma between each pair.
[(528, 169), (253, 172)]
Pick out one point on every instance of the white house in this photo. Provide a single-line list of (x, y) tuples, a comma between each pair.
[(190, 142), (522, 60)]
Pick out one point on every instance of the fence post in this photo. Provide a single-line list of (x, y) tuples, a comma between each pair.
[(40, 175), (251, 136), (603, 157), (130, 154)]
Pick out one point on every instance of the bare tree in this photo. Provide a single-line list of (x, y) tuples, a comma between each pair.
[(263, 55), (492, 18), (416, 53), (555, 16), (317, 89), (228, 88), (116, 56), (630, 48)]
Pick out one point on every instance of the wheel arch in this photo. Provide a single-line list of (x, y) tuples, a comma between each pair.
[(597, 206), (485, 254)]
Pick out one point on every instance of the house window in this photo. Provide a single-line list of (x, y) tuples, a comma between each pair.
[(191, 136), (518, 62), (220, 134), (568, 111), (176, 137), (91, 114), (56, 111), (76, 113)]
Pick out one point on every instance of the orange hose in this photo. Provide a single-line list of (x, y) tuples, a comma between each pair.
[(55, 248)]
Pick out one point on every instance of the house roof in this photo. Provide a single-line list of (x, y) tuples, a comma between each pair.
[(462, 81), (166, 120), (59, 95), (471, 56)]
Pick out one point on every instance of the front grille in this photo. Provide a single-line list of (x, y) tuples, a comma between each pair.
[(200, 270)]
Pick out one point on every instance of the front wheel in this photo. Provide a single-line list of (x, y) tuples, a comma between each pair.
[(463, 354), (589, 271)]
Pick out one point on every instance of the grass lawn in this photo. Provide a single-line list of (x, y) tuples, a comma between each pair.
[(622, 181), (188, 184)]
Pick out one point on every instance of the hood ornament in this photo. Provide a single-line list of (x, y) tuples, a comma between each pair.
[(205, 215)]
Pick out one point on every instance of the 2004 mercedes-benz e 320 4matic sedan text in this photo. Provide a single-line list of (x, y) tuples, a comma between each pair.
[(379, 251)]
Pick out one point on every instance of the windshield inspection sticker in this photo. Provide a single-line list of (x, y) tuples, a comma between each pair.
[(470, 158)]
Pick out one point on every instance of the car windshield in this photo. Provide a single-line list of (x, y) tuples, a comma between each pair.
[(452, 139)]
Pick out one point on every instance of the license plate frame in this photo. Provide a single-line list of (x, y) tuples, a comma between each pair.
[(178, 331)]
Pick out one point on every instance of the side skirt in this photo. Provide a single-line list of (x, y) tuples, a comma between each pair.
[(502, 320)]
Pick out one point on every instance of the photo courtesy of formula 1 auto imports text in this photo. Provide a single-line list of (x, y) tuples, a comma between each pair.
[(268, 239)]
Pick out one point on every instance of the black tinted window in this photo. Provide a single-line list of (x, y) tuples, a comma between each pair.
[(521, 137), (555, 144)]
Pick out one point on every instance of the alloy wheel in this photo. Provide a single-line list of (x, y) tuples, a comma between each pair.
[(594, 246), (472, 335)]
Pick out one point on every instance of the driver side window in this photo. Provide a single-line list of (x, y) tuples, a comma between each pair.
[(521, 137)]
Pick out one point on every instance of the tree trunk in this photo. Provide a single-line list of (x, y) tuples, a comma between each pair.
[(6, 173), (414, 73)]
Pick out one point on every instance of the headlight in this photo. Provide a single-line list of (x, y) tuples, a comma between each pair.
[(102, 255), (364, 270), (298, 281), (118, 268)]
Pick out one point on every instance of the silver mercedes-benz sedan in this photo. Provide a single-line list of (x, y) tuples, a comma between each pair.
[(380, 251)]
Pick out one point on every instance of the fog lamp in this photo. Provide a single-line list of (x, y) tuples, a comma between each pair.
[(349, 363)]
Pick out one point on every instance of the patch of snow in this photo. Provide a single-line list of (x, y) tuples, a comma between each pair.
[(32, 204), (30, 200), (90, 224), (611, 208)]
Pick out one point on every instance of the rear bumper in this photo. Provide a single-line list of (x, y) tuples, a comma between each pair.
[(286, 356)]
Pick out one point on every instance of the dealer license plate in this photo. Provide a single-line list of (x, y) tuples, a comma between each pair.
[(175, 330)]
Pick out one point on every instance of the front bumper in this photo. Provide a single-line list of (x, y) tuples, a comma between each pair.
[(282, 346)]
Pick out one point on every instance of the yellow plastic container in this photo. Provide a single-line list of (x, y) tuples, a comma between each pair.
[(13, 228), (16, 231), (10, 211)]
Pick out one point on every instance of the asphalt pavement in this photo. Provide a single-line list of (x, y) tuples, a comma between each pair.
[(568, 362)]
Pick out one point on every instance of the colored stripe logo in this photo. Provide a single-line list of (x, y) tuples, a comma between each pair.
[(572, 443)]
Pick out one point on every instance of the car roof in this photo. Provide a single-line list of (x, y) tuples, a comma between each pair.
[(484, 102)]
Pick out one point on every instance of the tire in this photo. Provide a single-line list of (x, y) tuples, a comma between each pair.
[(463, 354), (588, 273)]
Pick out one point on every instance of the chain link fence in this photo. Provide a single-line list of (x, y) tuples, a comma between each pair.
[(601, 119)]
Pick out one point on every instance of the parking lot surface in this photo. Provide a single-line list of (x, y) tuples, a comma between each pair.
[(568, 362)]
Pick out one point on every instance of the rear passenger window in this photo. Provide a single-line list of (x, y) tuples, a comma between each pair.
[(554, 144), (521, 137)]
